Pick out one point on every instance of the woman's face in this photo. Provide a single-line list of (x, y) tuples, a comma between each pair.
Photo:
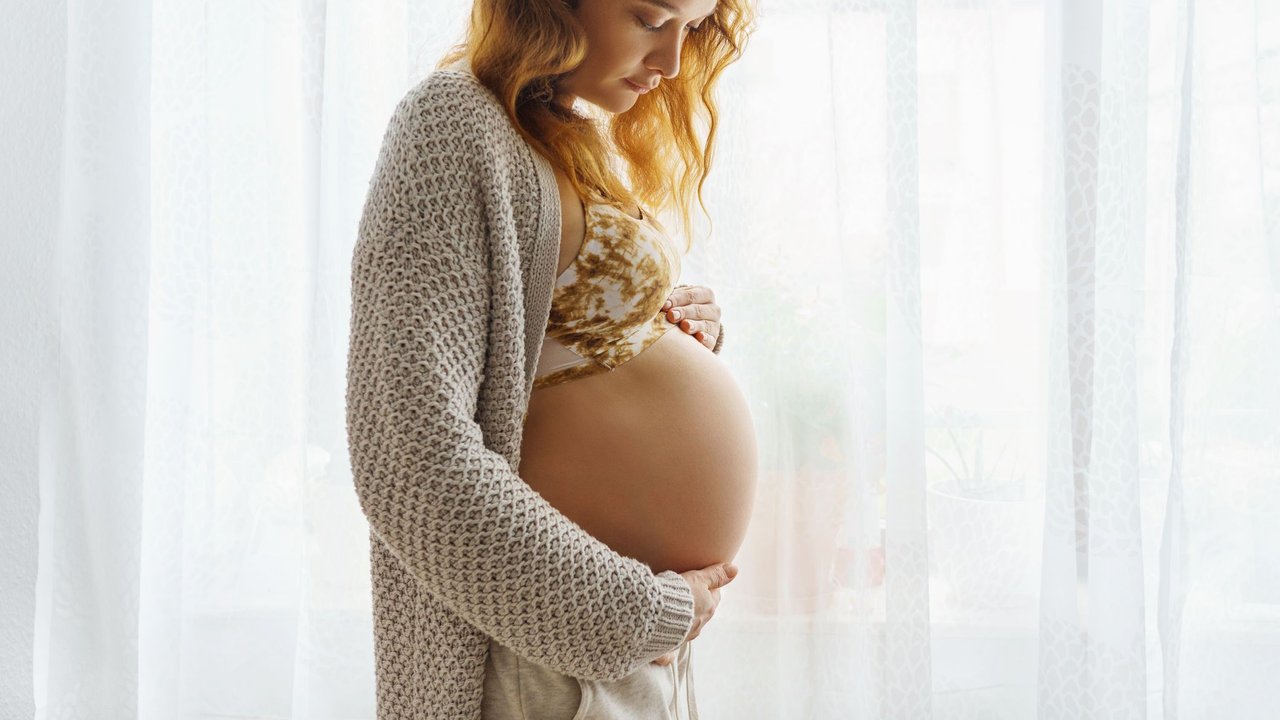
[(623, 55)]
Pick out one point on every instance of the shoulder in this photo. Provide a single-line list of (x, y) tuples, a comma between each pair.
[(452, 103), (446, 124)]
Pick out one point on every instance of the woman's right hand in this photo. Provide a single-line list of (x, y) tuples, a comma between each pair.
[(706, 584)]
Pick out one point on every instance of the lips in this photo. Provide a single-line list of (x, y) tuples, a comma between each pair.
[(638, 88)]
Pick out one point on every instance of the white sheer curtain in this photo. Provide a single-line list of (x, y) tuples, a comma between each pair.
[(1002, 280)]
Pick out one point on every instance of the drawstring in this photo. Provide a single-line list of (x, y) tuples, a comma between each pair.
[(688, 683), (674, 706), (685, 674)]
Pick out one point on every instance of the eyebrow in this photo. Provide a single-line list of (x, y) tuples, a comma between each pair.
[(671, 8)]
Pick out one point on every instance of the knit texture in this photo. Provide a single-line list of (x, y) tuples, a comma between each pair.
[(451, 284)]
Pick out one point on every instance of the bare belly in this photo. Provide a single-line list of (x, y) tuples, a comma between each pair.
[(656, 458)]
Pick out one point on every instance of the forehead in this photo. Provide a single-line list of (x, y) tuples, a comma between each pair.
[(685, 7)]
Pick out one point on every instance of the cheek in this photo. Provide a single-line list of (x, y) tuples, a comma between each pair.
[(610, 51)]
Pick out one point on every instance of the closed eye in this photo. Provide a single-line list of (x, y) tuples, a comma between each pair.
[(656, 28)]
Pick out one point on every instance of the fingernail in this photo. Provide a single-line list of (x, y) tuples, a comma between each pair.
[(676, 314)]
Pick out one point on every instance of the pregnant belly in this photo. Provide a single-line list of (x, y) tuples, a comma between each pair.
[(656, 458)]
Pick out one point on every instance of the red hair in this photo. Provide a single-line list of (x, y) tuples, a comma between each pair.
[(517, 48)]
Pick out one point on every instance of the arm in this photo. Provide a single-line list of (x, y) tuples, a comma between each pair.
[(451, 510)]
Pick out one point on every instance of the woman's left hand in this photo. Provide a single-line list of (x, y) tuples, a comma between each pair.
[(666, 659), (694, 309)]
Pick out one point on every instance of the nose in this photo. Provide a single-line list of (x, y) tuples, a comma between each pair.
[(665, 57)]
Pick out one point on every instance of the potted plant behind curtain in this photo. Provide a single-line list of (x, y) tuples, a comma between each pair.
[(980, 527)]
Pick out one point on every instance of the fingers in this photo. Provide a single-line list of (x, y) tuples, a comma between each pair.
[(722, 575), (706, 584), (700, 333), (696, 630), (699, 329), (694, 309), (704, 311), (719, 575), (689, 295), (704, 331)]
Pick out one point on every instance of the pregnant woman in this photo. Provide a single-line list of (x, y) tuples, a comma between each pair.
[(556, 467)]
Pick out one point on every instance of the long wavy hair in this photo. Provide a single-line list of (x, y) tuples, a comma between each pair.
[(663, 144)]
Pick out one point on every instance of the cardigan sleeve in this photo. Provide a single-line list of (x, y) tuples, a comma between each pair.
[(450, 509)]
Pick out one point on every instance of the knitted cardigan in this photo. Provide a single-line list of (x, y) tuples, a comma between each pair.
[(451, 283)]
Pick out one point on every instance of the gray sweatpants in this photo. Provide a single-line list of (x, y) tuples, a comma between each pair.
[(517, 689)]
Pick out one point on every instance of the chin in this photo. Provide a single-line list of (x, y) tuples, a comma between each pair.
[(613, 104), (625, 106)]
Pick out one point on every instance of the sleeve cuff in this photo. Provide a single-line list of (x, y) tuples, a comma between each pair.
[(676, 619)]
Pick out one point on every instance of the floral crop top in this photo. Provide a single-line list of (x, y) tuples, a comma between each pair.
[(606, 307)]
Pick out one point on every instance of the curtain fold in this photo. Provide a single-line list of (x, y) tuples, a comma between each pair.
[(1005, 283), (93, 390), (1173, 577)]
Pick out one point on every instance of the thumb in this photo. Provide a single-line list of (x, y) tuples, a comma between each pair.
[(724, 573)]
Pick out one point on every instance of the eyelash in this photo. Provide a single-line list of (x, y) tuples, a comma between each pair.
[(655, 28)]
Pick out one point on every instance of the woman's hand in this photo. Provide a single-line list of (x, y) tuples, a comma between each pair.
[(667, 659), (706, 584), (694, 309)]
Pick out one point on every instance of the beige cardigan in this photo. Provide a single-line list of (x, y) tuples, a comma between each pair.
[(451, 283)]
